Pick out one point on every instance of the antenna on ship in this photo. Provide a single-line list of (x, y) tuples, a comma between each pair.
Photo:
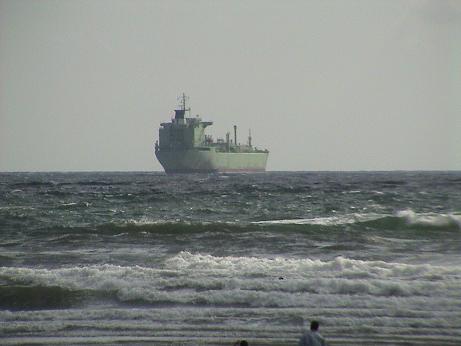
[(179, 113), (182, 103)]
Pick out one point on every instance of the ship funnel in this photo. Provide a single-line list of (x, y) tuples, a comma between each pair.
[(179, 113), (235, 134)]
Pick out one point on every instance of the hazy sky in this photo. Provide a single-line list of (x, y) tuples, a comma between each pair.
[(324, 85)]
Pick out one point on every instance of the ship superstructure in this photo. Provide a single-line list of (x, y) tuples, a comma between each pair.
[(184, 147)]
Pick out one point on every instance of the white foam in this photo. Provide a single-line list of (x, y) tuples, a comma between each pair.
[(20, 207), (410, 217), (392, 318), (144, 221), (326, 221), (255, 265), (204, 279), (227, 324), (430, 219)]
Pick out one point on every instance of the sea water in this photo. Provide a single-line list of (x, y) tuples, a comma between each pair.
[(145, 258)]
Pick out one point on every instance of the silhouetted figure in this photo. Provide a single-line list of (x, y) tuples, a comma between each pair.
[(312, 337), (241, 343)]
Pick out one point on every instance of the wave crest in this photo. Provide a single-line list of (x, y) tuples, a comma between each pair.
[(430, 219), (188, 278), (401, 219)]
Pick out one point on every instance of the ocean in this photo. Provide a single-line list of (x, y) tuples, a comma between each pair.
[(148, 259)]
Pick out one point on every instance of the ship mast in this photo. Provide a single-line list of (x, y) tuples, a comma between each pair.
[(183, 99)]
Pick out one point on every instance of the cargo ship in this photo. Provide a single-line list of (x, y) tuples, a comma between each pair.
[(184, 147)]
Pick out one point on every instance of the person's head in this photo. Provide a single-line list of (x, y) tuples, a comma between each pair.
[(314, 325), (243, 343)]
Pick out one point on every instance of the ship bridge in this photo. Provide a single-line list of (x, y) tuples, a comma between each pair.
[(182, 132)]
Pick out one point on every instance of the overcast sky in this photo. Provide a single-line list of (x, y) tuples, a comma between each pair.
[(324, 85)]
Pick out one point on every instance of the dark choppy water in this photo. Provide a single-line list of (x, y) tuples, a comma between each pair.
[(144, 258)]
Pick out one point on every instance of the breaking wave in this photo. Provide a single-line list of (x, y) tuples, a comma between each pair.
[(191, 279), (400, 221), (431, 219)]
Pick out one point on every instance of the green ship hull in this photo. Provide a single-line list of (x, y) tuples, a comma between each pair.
[(184, 147), (210, 161)]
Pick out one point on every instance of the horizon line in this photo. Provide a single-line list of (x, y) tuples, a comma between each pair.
[(267, 171)]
